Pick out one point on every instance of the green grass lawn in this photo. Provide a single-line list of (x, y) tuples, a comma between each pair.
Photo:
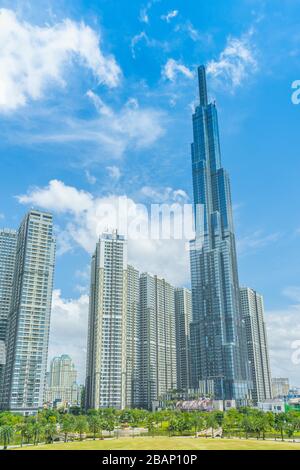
[(169, 443)]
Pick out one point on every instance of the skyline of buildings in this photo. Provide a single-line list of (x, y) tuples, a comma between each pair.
[(146, 338), (217, 331), (169, 308)]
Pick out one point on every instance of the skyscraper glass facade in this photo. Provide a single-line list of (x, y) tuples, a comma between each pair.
[(219, 354)]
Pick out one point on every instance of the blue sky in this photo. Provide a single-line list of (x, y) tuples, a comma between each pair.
[(96, 101)]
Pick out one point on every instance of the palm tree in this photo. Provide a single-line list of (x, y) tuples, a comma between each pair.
[(267, 423), (109, 423), (280, 423), (6, 434), (150, 424), (81, 425), (36, 431), (247, 424), (94, 424), (21, 428), (158, 417), (198, 421), (28, 430), (136, 417), (184, 422), (67, 425), (50, 431), (173, 423), (232, 421), (212, 422), (292, 423)]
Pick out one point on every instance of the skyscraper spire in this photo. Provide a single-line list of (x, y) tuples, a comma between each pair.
[(202, 85)]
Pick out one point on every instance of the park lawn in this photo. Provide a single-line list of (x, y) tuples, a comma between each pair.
[(169, 443)]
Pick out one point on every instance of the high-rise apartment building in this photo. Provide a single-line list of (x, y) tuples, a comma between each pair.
[(183, 312), (106, 358), (219, 352), (133, 339), (280, 387), (8, 240), (257, 344), (29, 314), (61, 386), (158, 339)]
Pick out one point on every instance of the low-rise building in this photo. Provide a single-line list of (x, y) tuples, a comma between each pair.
[(274, 405)]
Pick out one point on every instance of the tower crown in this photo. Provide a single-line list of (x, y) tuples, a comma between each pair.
[(202, 85)]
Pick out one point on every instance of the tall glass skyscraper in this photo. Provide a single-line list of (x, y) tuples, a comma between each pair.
[(29, 314), (219, 354)]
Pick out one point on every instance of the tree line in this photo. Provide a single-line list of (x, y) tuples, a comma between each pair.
[(50, 425)]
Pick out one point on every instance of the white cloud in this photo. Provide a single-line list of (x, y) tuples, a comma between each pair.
[(142, 36), (99, 104), (68, 331), (91, 179), (131, 127), (235, 63), (59, 198), (144, 17), (114, 172), (293, 292), (33, 57), (64, 242), (168, 194), (283, 328), (256, 240), (86, 217), (144, 11), (196, 36), (150, 42), (173, 67), (170, 15)]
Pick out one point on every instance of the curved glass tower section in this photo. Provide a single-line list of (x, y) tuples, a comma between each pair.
[(220, 363)]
